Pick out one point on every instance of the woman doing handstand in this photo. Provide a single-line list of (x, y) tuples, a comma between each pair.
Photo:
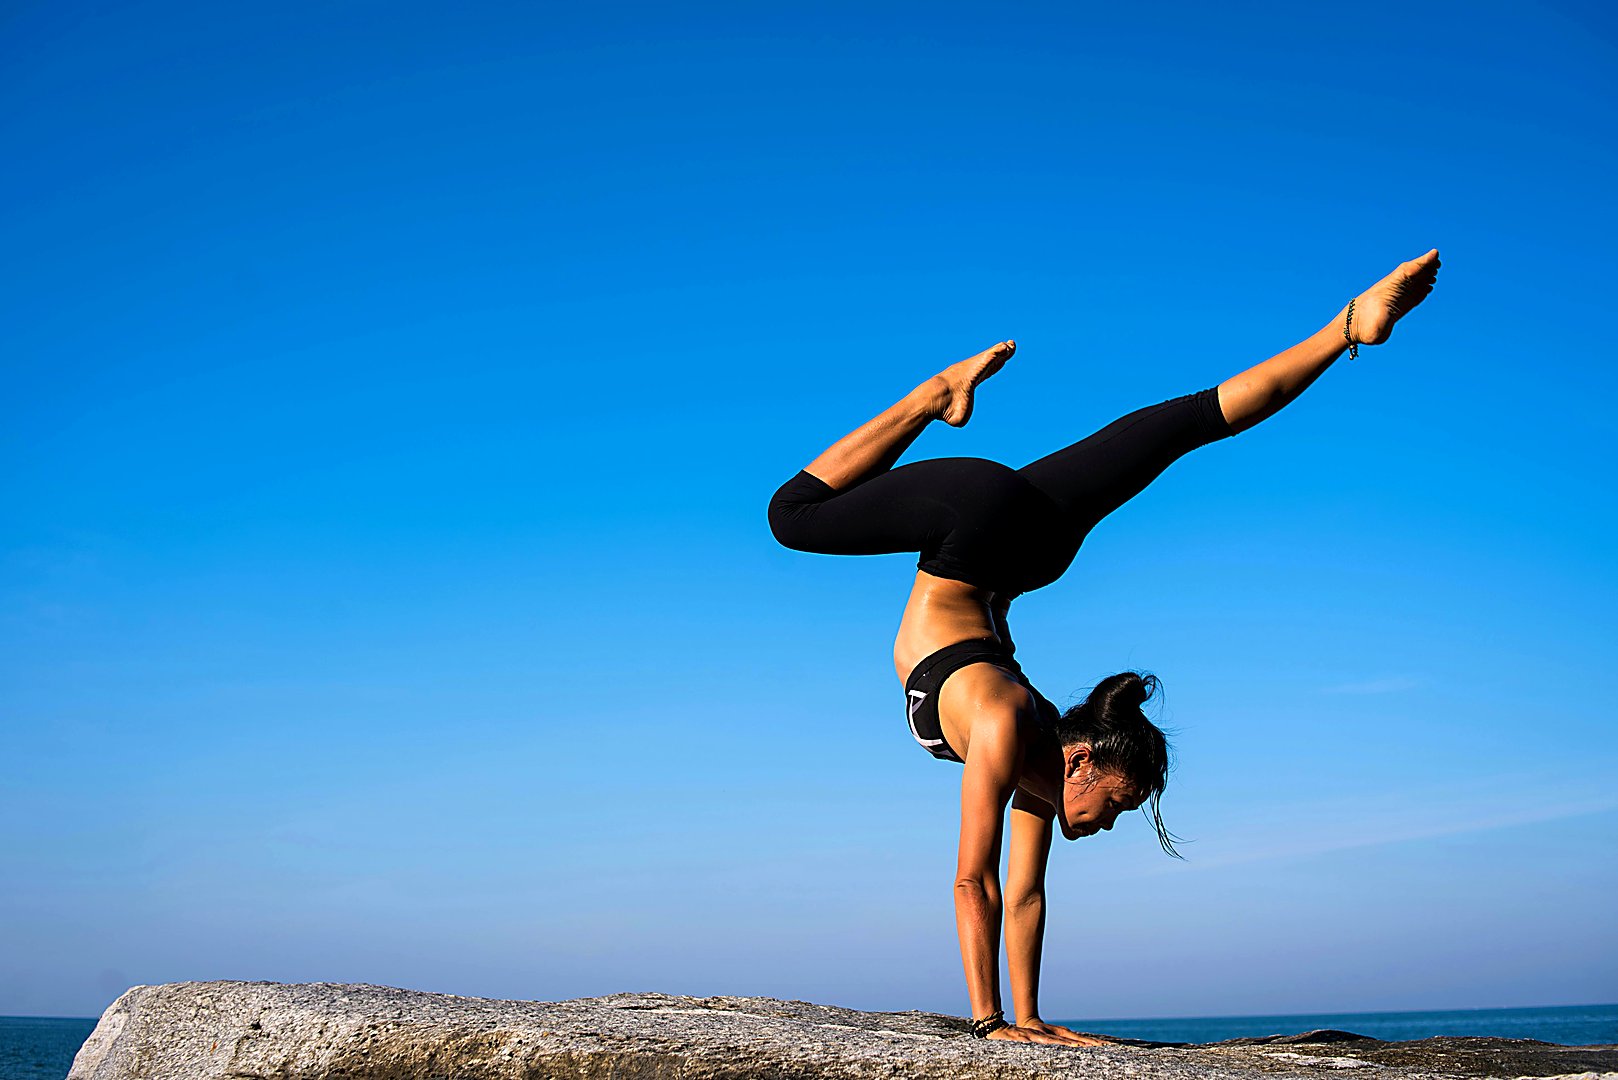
[(987, 534)]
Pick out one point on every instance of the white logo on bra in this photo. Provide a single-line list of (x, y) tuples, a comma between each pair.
[(916, 698)]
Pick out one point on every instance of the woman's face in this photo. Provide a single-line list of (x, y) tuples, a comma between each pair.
[(1091, 799)]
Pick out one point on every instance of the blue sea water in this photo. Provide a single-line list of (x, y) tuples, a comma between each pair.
[(39, 1048), (1572, 1025)]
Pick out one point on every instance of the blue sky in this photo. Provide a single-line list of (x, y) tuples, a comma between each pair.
[(394, 393)]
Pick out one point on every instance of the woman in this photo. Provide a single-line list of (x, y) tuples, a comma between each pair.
[(988, 533)]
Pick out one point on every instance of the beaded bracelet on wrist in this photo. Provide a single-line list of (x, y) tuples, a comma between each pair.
[(993, 1022)]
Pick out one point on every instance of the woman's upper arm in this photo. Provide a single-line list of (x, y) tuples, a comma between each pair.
[(1030, 843), (993, 763)]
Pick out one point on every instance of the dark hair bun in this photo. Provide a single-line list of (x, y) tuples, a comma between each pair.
[(1125, 690)]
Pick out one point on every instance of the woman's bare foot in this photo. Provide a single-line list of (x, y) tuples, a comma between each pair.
[(1389, 300), (957, 383)]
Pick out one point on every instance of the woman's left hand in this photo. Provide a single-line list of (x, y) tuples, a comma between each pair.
[(1066, 1035)]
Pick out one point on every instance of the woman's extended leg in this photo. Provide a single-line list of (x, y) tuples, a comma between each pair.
[(1264, 389), (1095, 476), (875, 445)]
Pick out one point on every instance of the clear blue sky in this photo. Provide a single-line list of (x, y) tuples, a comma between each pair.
[(393, 393)]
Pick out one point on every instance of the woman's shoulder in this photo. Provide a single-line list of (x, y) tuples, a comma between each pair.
[(987, 688)]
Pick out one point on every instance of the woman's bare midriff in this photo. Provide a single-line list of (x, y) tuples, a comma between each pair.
[(940, 612)]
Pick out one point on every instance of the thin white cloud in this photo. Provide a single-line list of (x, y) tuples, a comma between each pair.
[(1314, 829)]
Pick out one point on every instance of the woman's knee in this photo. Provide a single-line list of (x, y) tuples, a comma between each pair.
[(793, 507)]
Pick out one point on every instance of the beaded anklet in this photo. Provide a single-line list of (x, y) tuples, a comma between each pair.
[(1353, 346), (993, 1022)]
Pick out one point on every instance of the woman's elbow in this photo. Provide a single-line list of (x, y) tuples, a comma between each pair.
[(1028, 898), (969, 889)]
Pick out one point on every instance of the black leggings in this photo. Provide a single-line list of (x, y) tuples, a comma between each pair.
[(1003, 529)]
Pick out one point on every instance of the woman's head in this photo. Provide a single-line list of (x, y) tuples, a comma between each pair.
[(1114, 759)]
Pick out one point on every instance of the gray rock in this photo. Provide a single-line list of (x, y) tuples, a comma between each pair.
[(325, 1031)]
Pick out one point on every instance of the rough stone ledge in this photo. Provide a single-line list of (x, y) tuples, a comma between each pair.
[(327, 1031)]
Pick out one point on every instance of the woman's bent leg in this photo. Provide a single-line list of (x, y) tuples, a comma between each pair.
[(818, 510), (896, 511), (873, 447)]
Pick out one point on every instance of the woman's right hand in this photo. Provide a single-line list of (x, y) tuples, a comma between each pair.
[(1041, 1033)]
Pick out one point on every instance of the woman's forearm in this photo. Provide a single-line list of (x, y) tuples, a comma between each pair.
[(1025, 936), (977, 921)]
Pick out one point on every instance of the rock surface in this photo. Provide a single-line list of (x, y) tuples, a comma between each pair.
[(323, 1031)]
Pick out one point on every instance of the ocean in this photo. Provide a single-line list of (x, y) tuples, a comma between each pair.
[(1572, 1025), (40, 1048), (37, 1048)]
